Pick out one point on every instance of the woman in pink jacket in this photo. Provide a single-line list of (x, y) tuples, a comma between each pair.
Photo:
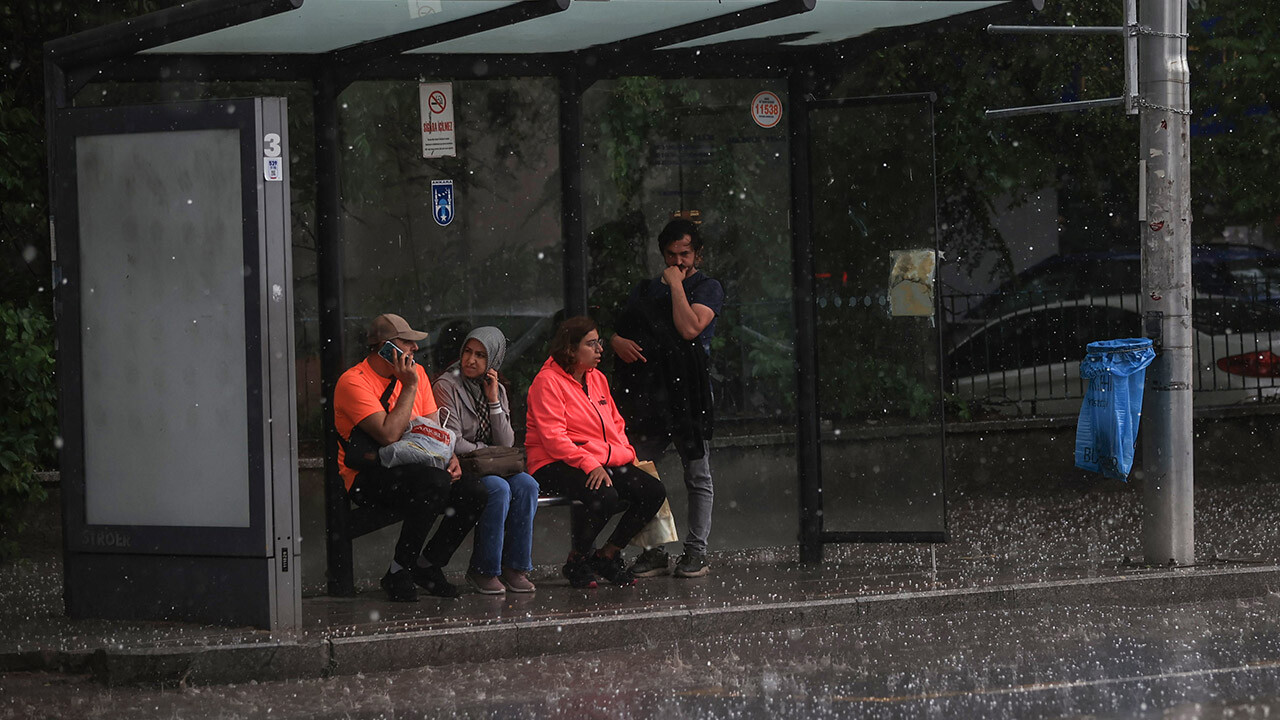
[(577, 446)]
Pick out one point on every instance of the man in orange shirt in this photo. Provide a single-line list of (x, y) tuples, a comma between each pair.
[(374, 401)]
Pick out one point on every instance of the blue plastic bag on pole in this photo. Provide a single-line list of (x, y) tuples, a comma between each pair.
[(1108, 427)]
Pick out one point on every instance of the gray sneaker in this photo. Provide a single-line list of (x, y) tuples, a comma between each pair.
[(653, 561), (692, 565)]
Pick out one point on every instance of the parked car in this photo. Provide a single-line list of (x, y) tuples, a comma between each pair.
[(1028, 361), (1246, 272)]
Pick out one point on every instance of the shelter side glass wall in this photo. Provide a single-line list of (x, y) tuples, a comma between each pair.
[(653, 148), (499, 262), (872, 179)]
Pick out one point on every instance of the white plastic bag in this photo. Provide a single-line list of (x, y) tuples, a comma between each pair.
[(426, 442), (662, 528)]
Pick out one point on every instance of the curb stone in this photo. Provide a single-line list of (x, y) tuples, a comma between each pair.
[(221, 664)]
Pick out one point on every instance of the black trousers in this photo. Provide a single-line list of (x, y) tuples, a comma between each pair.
[(420, 493), (636, 493)]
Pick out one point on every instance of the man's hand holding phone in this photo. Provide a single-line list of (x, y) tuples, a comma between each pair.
[(402, 363)]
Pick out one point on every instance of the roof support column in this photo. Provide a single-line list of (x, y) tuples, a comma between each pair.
[(329, 272), (575, 242), (808, 456)]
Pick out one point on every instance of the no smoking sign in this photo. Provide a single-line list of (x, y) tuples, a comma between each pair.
[(437, 102), (439, 136), (766, 109)]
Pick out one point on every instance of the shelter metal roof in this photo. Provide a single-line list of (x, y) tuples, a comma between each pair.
[(322, 26)]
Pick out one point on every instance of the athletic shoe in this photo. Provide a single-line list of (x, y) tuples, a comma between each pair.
[(578, 571), (399, 586), (485, 584), (612, 570), (691, 565), (433, 581), (516, 581), (653, 561)]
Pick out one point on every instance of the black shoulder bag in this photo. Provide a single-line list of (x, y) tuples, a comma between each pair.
[(361, 450)]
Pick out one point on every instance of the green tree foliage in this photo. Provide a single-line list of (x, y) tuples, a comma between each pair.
[(1235, 80), (985, 166), (28, 418), (25, 25)]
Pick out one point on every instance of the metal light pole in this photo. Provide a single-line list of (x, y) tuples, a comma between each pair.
[(1168, 531)]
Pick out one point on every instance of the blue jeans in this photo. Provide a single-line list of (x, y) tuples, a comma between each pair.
[(504, 535)]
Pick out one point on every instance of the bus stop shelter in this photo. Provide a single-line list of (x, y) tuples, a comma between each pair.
[(856, 270)]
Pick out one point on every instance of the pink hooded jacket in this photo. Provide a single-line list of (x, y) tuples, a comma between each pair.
[(583, 430)]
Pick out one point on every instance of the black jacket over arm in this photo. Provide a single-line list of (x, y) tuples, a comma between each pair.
[(670, 395)]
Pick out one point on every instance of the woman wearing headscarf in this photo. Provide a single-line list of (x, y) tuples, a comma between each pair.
[(480, 414), (577, 445)]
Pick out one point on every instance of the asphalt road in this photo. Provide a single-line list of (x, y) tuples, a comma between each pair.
[(1204, 660)]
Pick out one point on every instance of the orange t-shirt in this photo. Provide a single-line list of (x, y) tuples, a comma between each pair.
[(358, 395)]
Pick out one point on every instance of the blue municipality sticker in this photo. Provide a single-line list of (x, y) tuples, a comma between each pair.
[(442, 201)]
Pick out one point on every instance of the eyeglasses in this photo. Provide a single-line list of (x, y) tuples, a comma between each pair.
[(597, 344)]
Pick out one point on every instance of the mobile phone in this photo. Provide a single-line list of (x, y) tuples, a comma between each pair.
[(390, 352)]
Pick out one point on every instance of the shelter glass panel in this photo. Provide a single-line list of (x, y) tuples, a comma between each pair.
[(499, 258), (656, 148), (879, 393)]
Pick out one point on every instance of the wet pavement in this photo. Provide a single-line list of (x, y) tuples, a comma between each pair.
[(1211, 659), (1008, 554)]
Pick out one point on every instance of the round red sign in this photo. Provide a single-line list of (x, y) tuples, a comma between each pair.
[(766, 109), (436, 101)]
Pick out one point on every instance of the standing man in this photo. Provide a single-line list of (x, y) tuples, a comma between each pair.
[(373, 403), (663, 345)]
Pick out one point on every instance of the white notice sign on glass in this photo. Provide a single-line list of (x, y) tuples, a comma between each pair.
[(438, 137)]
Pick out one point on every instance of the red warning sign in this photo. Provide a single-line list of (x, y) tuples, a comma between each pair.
[(437, 101), (766, 109)]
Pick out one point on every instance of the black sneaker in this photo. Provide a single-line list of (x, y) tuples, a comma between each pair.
[(653, 561), (399, 586), (612, 570), (433, 581), (578, 571), (692, 565)]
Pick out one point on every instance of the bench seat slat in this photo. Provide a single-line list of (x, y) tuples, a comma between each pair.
[(364, 519)]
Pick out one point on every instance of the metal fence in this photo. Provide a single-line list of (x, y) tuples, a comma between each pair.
[(1019, 353)]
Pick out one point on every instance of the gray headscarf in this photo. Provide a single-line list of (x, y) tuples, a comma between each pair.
[(495, 344)]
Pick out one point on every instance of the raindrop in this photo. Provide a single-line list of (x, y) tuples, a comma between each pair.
[(57, 442), (29, 253)]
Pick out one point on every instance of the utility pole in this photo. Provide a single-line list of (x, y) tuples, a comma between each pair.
[(1157, 87), (1168, 531)]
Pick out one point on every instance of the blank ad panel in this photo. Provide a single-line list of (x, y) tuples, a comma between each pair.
[(163, 272)]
